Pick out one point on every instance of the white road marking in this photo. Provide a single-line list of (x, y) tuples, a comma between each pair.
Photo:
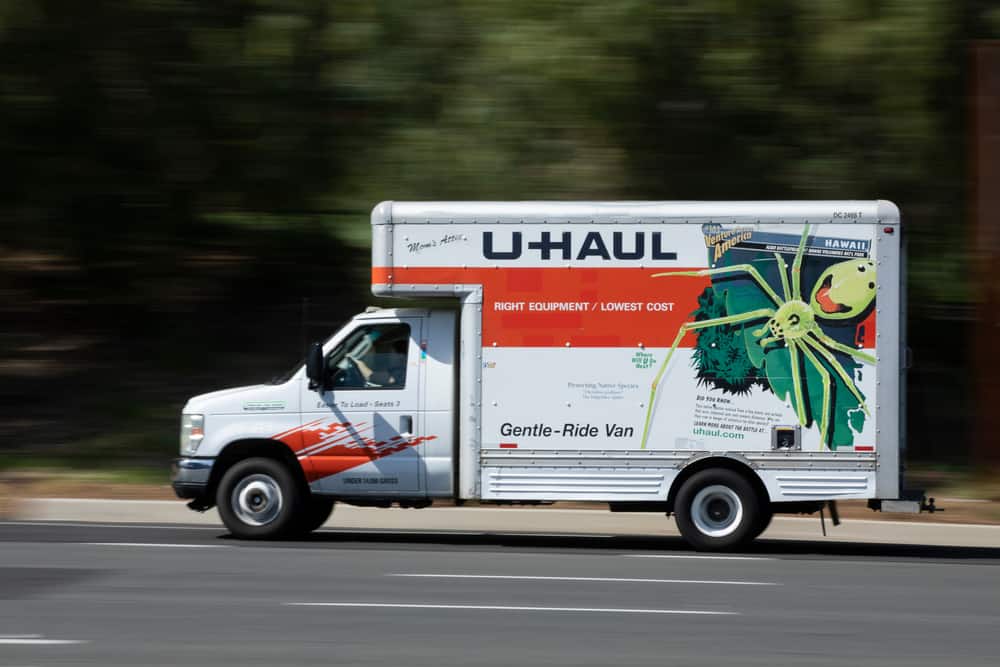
[(697, 556), (483, 607), (154, 544), (626, 580), (36, 640)]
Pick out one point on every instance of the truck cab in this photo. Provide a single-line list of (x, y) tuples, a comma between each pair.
[(365, 429)]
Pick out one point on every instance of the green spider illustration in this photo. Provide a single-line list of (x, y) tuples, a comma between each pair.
[(843, 290)]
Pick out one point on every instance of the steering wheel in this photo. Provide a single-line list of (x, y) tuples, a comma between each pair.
[(352, 376)]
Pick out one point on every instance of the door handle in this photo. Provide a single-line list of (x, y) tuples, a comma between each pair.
[(406, 425)]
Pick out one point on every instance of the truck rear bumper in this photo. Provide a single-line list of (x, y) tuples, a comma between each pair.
[(189, 477), (911, 501)]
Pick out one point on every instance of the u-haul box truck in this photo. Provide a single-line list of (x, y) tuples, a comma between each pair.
[(720, 361)]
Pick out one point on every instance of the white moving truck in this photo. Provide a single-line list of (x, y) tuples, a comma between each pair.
[(720, 361)]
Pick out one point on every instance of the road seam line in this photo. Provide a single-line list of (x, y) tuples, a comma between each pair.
[(90, 524), (628, 580), (154, 544), (697, 556), (483, 607)]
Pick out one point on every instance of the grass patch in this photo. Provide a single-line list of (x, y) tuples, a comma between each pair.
[(56, 468), (955, 481)]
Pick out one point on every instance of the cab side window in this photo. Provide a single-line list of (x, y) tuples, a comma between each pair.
[(371, 357)]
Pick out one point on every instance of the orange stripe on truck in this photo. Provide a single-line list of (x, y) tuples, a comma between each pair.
[(582, 306)]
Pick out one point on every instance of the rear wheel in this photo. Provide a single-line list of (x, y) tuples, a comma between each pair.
[(717, 509), (763, 520), (259, 498)]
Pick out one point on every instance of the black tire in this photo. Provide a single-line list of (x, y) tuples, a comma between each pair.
[(763, 520), (259, 498), (717, 509), (315, 511)]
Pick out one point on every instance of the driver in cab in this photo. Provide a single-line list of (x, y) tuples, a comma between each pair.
[(385, 364), (374, 357)]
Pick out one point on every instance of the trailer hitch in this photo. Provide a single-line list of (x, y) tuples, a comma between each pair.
[(912, 502)]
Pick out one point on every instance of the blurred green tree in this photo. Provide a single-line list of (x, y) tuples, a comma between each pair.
[(171, 161)]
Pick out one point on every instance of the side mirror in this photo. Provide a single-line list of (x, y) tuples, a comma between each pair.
[(314, 367)]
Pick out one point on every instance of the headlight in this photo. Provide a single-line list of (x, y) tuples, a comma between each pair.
[(192, 433)]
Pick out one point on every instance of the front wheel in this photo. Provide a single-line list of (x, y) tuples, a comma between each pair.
[(259, 499), (314, 513), (717, 509)]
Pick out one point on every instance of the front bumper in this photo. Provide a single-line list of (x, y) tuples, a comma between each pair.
[(189, 477)]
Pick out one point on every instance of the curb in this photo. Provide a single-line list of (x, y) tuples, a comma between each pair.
[(595, 522)]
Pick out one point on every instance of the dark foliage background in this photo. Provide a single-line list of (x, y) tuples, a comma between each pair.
[(182, 177)]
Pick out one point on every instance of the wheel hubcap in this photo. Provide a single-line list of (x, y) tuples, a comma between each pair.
[(257, 500), (716, 511)]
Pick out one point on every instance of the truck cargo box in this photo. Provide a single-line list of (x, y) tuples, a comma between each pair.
[(607, 346)]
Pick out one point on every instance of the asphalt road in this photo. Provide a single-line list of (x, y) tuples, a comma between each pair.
[(165, 595)]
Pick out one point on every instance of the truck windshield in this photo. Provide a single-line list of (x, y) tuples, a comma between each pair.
[(287, 375)]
